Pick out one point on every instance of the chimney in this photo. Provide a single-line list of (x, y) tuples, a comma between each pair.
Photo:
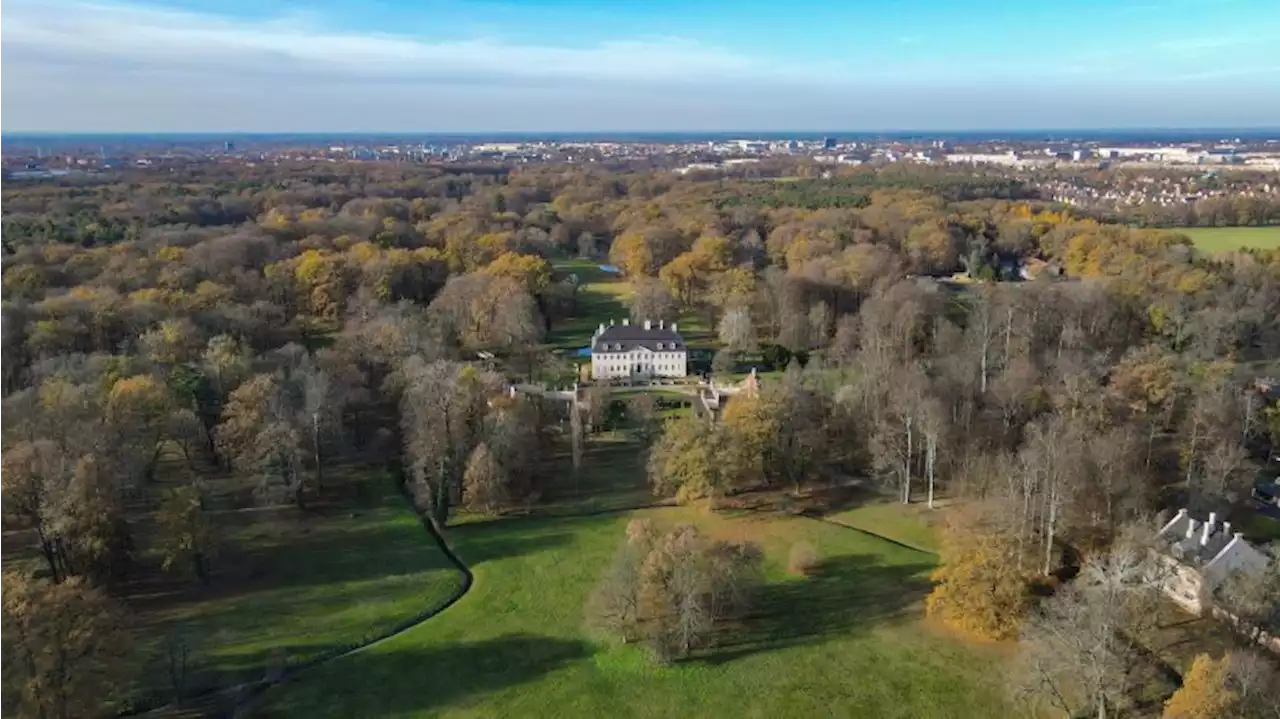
[(662, 324), (626, 321), (600, 329), (647, 326), (673, 327), (610, 323), (1226, 527), (1192, 526), (1208, 530)]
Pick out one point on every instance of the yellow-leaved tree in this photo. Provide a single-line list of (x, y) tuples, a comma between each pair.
[(1205, 693), (979, 588)]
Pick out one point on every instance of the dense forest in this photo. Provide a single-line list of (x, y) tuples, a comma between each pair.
[(1070, 379)]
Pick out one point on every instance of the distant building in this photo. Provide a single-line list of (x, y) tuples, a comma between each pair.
[(229, 146), (984, 158), (829, 143), (1198, 556), (638, 352)]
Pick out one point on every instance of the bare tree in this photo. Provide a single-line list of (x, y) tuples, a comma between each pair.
[(1078, 651), (651, 300), (484, 483), (737, 333)]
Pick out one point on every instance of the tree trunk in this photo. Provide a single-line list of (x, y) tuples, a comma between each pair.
[(201, 567), (985, 343), (906, 467), (46, 547), (315, 446), (1050, 527), (931, 456)]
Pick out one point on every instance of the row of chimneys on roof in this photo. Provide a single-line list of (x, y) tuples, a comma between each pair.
[(1206, 529), (648, 325)]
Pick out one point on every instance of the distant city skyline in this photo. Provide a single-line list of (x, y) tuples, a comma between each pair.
[(439, 66)]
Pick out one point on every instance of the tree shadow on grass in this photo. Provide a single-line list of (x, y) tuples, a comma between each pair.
[(407, 680), (848, 593)]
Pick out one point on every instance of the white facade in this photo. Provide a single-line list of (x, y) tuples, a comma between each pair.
[(1198, 556), (638, 353)]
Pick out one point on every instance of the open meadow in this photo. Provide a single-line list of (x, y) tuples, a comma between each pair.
[(850, 641), (1230, 239)]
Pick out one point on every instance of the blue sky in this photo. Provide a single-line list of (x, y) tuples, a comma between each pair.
[(545, 65)]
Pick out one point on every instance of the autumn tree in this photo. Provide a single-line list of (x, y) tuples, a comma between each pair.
[(33, 474), (1205, 692), (685, 462), (484, 484), (65, 647), (260, 434), (650, 300), (978, 586), (186, 532), (1078, 647), (138, 410), (737, 333), (442, 413), (614, 604), (672, 588)]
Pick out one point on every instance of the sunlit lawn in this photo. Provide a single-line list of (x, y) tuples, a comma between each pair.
[(601, 298), (1227, 239), (913, 525), (847, 643)]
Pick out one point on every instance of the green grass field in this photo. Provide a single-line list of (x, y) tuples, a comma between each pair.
[(289, 587), (1228, 239), (911, 525), (601, 297), (850, 642)]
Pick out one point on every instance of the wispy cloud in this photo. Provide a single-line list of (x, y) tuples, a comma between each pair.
[(140, 37)]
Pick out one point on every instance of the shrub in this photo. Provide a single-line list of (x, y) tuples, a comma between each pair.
[(803, 560)]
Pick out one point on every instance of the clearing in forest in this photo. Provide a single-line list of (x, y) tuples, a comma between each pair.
[(850, 641), (1228, 239)]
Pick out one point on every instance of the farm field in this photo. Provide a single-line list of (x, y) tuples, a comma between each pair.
[(848, 642), (1228, 239)]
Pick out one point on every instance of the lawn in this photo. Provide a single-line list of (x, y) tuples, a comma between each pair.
[(601, 297), (289, 586), (912, 525), (848, 643), (1228, 239)]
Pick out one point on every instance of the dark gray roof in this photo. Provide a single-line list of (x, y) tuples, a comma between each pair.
[(624, 338)]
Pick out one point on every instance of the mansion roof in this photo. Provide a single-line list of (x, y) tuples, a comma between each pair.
[(626, 337)]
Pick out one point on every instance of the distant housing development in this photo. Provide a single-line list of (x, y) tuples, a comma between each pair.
[(637, 352)]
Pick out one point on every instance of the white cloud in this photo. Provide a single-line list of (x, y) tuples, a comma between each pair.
[(141, 37)]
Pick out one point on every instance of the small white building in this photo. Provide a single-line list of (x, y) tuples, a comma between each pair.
[(638, 352), (1198, 555)]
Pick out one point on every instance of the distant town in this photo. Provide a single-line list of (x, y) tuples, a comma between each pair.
[(1093, 172)]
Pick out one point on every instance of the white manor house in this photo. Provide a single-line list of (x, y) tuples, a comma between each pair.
[(638, 352)]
